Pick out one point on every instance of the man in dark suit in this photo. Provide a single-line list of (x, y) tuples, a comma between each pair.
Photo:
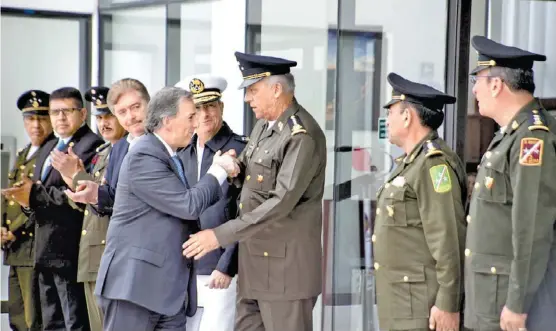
[(18, 239), (58, 224), (127, 100), (144, 283), (216, 283)]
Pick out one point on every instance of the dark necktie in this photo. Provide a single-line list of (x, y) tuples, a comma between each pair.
[(60, 146), (179, 166)]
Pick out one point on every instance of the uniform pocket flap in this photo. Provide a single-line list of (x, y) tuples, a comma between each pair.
[(96, 238), (407, 274), (267, 163), (490, 264), (147, 255), (267, 248), (396, 193)]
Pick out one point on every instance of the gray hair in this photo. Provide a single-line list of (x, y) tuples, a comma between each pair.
[(516, 79), (165, 103), (287, 81)]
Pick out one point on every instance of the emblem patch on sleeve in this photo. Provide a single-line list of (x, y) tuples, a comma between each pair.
[(440, 177), (530, 152)]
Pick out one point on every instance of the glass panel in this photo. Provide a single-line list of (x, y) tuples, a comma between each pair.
[(374, 38), (282, 28), (189, 39), (521, 23), (134, 45)]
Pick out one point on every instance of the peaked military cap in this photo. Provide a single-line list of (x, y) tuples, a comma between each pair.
[(98, 96), (204, 87), (493, 54), (34, 102), (256, 67), (421, 94)]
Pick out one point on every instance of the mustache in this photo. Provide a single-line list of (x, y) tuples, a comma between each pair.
[(104, 128)]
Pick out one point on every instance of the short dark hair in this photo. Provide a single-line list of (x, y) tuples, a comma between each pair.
[(516, 79), (428, 117), (68, 93)]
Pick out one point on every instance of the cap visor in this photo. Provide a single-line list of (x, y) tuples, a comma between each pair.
[(100, 112), (249, 82), (35, 112), (478, 69), (390, 103)]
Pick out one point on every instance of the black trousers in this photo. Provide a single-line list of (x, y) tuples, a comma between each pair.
[(63, 302)]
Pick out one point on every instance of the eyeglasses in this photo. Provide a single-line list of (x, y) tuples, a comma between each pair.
[(66, 111), (473, 78)]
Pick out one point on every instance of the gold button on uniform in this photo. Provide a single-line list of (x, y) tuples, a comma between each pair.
[(405, 279), (489, 164), (378, 211), (493, 270), (376, 265), (390, 210), (97, 174), (103, 242), (240, 205), (468, 218), (84, 232), (477, 185), (488, 154), (392, 194), (467, 252), (86, 212), (21, 167), (248, 177), (30, 234), (8, 222), (387, 185), (265, 253), (11, 203), (260, 160), (23, 233), (373, 238), (31, 175)]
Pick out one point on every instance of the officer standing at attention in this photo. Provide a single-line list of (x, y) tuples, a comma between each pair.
[(419, 230), (17, 230), (93, 234), (216, 284), (279, 226), (510, 265)]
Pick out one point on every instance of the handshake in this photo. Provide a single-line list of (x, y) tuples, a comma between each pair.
[(228, 161)]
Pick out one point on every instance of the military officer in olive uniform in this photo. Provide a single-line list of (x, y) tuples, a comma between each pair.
[(17, 229), (419, 232), (510, 265), (93, 234), (279, 227)]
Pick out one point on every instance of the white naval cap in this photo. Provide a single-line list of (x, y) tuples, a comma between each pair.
[(204, 87)]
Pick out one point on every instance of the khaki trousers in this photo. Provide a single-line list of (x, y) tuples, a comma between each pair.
[(95, 314), (259, 315)]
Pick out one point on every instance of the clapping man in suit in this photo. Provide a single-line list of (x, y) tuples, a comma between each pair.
[(144, 283)]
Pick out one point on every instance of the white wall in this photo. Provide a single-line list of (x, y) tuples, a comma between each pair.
[(72, 6), (32, 59)]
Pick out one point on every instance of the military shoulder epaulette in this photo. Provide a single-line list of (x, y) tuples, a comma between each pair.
[(296, 126), (102, 147), (537, 121), (21, 150), (432, 148)]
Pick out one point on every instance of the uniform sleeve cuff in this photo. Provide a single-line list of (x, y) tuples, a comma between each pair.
[(514, 303), (225, 234), (448, 301)]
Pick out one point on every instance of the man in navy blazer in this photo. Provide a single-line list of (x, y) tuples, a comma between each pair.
[(127, 99), (216, 281), (144, 282)]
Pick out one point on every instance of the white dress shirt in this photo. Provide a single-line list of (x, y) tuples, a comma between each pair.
[(32, 151), (217, 171), (200, 150)]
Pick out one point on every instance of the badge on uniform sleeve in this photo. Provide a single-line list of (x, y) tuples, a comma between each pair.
[(530, 153), (440, 177)]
